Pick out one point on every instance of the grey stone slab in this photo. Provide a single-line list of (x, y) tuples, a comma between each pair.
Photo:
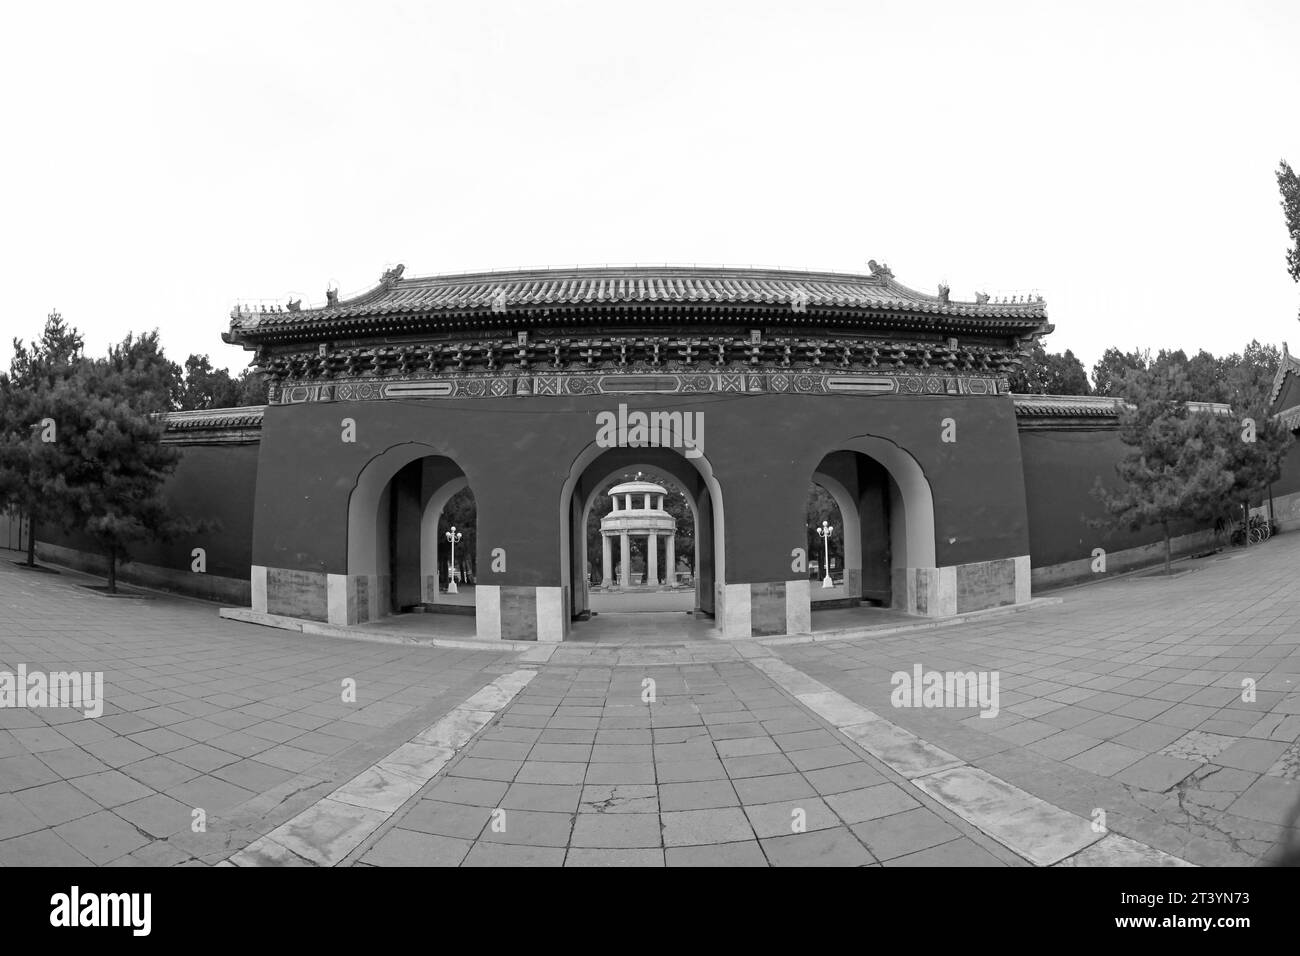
[(695, 827), (744, 853), (101, 837), (871, 803), (1029, 825), (959, 852), (556, 798), (619, 798), (586, 856), (401, 847), (528, 827), (835, 847)]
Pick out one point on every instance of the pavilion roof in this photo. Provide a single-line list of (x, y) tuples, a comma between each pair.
[(637, 487)]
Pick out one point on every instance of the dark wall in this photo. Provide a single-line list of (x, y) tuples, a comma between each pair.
[(1060, 468), (517, 454), (213, 482), (1288, 483)]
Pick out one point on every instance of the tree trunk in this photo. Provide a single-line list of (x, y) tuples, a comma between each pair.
[(31, 541), (1168, 550), (112, 570)]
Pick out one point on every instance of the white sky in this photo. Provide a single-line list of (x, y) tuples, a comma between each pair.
[(161, 161)]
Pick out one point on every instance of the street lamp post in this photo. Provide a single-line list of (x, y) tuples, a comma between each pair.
[(453, 536), (825, 532)]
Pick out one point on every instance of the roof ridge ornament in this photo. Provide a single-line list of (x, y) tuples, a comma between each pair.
[(390, 276), (943, 293), (981, 298), (879, 269), (331, 298)]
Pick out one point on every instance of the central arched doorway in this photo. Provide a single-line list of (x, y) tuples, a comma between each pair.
[(683, 613)]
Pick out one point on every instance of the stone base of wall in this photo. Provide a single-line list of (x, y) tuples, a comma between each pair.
[(291, 593), (959, 588), (1130, 559), (507, 612), (765, 609), (208, 587)]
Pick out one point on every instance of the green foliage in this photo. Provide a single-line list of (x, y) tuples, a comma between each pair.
[(1179, 466), (138, 373), (104, 470), (206, 387), (1240, 378), (30, 465), (1051, 373), (1289, 185), (1111, 372)]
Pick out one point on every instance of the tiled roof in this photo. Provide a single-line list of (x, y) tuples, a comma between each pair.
[(1090, 406), (247, 417), (1289, 363), (1093, 406), (503, 291)]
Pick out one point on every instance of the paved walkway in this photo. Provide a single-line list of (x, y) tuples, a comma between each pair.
[(721, 768), (1127, 698), (1124, 700), (246, 723)]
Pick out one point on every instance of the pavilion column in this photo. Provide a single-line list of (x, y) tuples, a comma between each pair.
[(625, 556), (652, 559), (671, 571), (606, 579)]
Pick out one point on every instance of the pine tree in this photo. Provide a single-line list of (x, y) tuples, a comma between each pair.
[(32, 457), (1289, 185), (114, 482), (1177, 467), (1111, 372)]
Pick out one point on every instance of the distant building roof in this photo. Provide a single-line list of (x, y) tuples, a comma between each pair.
[(249, 416), (443, 298), (1078, 408), (214, 426)]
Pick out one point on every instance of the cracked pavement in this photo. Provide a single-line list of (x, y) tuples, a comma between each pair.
[(1128, 698)]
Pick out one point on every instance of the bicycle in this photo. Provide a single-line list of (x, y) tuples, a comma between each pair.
[(1254, 531)]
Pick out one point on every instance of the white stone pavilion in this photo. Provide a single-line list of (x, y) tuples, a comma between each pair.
[(638, 510)]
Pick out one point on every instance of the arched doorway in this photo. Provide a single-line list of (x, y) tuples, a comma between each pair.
[(887, 526), (593, 473), (393, 535)]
